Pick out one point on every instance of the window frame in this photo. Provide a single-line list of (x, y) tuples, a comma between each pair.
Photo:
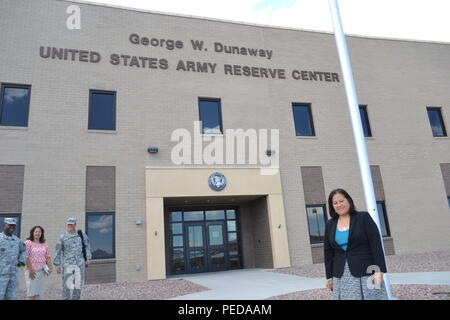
[(363, 107), (18, 217), (113, 213), (441, 119), (114, 93), (219, 101), (4, 86), (183, 209), (325, 218), (311, 119)]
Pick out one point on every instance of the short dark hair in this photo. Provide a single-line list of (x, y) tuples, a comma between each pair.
[(333, 213), (31, 237)]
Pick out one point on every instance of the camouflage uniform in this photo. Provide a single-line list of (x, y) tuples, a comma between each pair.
[(69, 248), (12, 250)]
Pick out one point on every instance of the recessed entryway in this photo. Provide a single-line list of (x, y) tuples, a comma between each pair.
[(203, 240), (193, 228)]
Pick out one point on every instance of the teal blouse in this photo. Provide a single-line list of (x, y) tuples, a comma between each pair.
[(341, 238)]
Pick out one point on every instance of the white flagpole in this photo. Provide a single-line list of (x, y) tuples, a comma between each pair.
[(358, 135)]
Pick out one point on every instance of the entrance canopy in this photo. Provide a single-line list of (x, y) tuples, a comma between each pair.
[(192, 186)]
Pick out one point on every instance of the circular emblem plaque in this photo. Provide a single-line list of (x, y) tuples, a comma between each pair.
[(217, 181)]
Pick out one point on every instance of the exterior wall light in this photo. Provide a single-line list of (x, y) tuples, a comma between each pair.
[(270, 152), (152, 150), (138, 222)]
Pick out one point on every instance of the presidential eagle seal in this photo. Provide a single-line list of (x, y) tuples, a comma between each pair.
[(217, 181)]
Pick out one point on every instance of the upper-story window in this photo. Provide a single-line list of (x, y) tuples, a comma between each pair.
[(304, 125), (436, 122), (365, 121), (102, 110), (14, 105), (210, 116)]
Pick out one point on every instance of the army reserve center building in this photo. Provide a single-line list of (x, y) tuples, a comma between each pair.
[(88, 109)]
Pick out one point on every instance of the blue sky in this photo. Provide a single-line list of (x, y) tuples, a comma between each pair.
[(405, 19)]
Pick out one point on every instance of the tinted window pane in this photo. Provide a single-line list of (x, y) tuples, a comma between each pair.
[(217, 256), (232, 237), (381, 215), (176, 216), (215, 215), (233, 248), (14, 106), (195, 236), (231, 225), (234, 262), (18, 220), (100, 229), (231, 214), (365, 121), (448, 202), (102, 111), (215, 235), (197, 258), (436, 122), (178, 260), (316, 223), (193, 215), (303, 120), (177, 228), (210, 116), (178, 241)]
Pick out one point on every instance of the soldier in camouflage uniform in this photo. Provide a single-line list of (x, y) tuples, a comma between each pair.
[(70, 249), (12, 255)]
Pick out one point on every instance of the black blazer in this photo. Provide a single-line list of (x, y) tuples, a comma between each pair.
[(364, 247)]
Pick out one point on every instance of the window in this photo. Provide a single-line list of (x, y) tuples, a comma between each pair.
[(436, 122), (14, 105), (101, 232), (210, 116), (316, 222), (384, 225), (177, 263), (365, 121), (303, 120), (448, 199), (233, 243), (102, 110), (12, 215)]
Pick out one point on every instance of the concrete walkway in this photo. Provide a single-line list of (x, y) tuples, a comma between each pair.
[(259, 284)]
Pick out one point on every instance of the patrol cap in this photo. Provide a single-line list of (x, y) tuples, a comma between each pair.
[(10, 221), (71, 221)]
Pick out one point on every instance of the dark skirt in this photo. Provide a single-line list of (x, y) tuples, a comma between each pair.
[(349, 287)]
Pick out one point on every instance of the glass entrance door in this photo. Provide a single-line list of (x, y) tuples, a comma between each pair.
[(203, 240), (217, 253), (196, 247)]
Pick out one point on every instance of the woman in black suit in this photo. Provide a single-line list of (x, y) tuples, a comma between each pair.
[(353, 251)]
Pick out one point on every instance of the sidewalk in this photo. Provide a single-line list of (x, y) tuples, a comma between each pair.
[(259, 284)]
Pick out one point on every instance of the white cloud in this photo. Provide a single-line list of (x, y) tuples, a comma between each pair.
[(15, 94), (411, 19), (104, 222)]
